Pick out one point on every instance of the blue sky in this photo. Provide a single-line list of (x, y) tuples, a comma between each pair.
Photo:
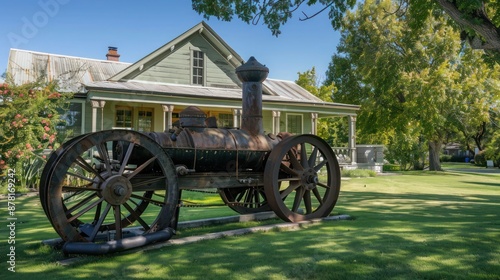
[(86, 29)]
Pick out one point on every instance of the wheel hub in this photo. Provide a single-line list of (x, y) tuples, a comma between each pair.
[(116, 190), (310, 179)]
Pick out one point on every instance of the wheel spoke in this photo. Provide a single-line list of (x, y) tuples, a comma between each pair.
[(257, 197), (97, 225), (314, 155), (299, 194), (126, 158), (155, 202), (246, 198), (320, 165), (141, 167), (118, 222), (288, 170), (97, 213), (323, 185), (293, 186), (85, 210), (137, 217), (293, 160), (81, 203), (307, 201), (303, 155), (72, 195), (80, 176), (78, 188), (84, 164), (318, 196), (103, 152)]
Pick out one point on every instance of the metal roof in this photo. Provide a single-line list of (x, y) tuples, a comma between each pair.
[(294, 94), (71, 72), (290, 90), (76, 74)]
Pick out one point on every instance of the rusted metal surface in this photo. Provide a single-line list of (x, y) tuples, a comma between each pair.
[(252, 74)]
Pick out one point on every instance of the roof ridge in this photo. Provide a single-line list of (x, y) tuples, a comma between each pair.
[(69, 56)]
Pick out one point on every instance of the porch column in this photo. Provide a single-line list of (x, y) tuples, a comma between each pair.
[(352, 139), (314, 119), (276, 121), (97, 104), (236, 118), (167, 118)]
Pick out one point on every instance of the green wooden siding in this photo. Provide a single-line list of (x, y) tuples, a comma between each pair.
[(176, 66)]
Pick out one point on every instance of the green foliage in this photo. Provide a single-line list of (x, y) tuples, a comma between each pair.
[(414, 85), (273, 13), (358, 173), (407, 151), (478, 20), (391, 167), (28, 125), (492, 151), (452, 158), (333, 130), (480, 159)]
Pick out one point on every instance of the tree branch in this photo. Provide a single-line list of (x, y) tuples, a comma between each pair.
[(315, 14), (479, 23)]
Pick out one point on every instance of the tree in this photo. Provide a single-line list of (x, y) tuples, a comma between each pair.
[(333, 130), (479, 20), (29, 115), (409, 82)]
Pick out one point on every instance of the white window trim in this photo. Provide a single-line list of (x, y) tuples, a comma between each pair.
[(191, 60), (83, 104)]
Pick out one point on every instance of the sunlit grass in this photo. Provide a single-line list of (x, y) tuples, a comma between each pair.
[(415, 225)]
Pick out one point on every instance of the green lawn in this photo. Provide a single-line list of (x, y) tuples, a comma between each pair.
[(413, 225)]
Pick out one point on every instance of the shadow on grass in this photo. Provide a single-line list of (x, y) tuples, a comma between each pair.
[(394, 235)]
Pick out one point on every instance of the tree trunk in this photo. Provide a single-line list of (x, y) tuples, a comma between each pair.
[(477, 21), (434, 151)]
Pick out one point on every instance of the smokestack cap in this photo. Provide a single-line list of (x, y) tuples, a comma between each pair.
[(252, 71)]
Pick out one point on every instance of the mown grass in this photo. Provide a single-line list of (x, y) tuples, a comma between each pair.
[(414, 225)]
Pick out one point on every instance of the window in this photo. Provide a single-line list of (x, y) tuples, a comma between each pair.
[(294, 123), (198, 67), (225, 120), (145, 120), (123, 117), (72, 119)]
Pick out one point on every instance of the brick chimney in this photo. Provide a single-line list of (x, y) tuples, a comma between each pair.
[(113, 54)]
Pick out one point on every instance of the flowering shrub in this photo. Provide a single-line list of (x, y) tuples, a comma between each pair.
[(29, 115)]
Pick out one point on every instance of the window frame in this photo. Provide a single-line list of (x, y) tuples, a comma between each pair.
[(146, 109), (82, 104), (301, 122), (202, 68), (124, 108)]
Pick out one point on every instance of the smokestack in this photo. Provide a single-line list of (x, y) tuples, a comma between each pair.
[(252, 74), (113, 54)]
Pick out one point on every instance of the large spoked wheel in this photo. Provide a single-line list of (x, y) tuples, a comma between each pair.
[(302, 178), (245, 200), (48, 169), (92, 197)]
